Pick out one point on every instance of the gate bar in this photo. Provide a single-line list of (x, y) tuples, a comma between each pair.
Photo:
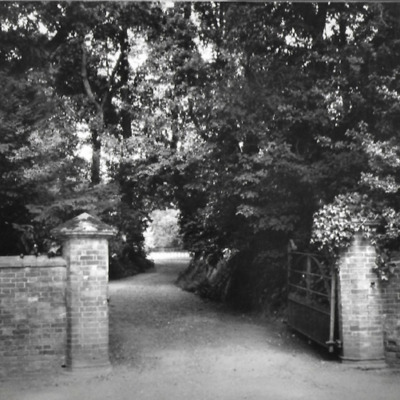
[(331, 341)]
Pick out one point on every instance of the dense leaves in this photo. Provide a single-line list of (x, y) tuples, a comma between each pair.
[(369, 100), (295, 110), (64, 73), (260, 122)]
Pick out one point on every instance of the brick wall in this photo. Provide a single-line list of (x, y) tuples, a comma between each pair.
[(32, 314), (54, 311), (391, 316)]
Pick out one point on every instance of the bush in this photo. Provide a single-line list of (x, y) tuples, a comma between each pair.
[(247, 281)]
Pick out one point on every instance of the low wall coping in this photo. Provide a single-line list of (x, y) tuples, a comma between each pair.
[(32, 262)]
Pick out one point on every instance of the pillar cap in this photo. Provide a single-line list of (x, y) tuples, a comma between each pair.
[(84, 225)]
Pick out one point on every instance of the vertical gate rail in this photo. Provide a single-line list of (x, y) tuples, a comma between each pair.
[(312, 298)]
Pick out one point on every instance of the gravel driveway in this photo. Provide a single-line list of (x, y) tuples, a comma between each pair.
[(166, 344)]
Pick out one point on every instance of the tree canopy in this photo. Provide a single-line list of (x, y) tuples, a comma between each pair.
[(260, 122)]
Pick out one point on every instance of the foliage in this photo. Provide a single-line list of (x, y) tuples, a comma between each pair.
[(44, 107), (256, 116), (246, 280), (377, 204), (28, 107), (248, 118), (163, 230), (371, 98), (336, 223)]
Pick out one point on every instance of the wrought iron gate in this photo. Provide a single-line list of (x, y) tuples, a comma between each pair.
[(312, 297)]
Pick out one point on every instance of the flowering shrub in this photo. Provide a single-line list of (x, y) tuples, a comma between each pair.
[(335, 224)]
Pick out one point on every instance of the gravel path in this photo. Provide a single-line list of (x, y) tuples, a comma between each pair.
[(166, 344)]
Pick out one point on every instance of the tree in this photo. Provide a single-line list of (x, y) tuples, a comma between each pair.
[(29, 109), (163, 230), (93, 63), (275, 117), (247, 117), (50, 101), (370, 113)]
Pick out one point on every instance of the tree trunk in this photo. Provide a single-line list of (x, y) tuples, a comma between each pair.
[(126, 119), (96, 150)]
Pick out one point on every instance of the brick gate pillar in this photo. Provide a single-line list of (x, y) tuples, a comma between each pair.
[(85, 248), (360, 306)]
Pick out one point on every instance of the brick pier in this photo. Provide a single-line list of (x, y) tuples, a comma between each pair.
[(85, 249), (360, 306)]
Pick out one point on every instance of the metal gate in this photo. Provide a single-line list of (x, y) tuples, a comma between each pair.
[(312, 297)]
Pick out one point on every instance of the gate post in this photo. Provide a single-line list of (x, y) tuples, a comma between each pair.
[(85, 248), (360, 306)]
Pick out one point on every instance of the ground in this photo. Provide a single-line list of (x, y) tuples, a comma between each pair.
[(169, 344)]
